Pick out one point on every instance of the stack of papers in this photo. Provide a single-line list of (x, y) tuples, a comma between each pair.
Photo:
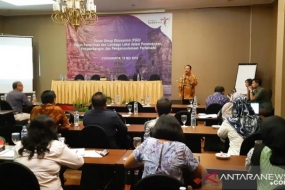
[(208, 116), (87, 153), (8, 153)]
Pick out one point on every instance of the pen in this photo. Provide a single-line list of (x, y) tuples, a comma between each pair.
[(76, 151)]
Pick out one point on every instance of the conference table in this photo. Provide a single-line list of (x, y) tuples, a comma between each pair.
[(68, 92), (192, 135), (151, 108)]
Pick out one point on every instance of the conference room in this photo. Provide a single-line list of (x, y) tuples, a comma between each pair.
[(212, 37)]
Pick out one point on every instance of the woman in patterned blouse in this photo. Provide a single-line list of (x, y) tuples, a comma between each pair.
[(164, 152)]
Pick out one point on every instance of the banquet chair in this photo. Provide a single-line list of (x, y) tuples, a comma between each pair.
[(94, 136), (249, 142), (123, 77), (96, 176), (79, 77), (154, 77), (159, 182), (5, 105), (178, 117), (95, 77), (15, 176)]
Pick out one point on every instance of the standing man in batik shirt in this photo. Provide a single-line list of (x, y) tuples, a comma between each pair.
[(187, 84)]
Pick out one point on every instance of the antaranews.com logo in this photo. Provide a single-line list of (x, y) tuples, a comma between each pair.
[(272, 179)]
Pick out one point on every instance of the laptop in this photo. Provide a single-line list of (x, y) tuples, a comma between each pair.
[(255, 107)]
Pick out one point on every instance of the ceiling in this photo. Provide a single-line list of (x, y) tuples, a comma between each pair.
[(131, 6)]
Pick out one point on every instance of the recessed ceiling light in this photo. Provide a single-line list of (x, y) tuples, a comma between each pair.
[(29, 2)]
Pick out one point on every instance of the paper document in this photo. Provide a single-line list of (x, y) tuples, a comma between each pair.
[(92, 154), (126, 115), (208, 116), (79, 151), (7, 153)]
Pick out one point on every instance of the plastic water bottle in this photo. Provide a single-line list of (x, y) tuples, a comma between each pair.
[(61, 77), (195, 105), (193, 118), (118, 99), (147, 99), (136, 108), (34, 96), (138, 77), (24, 132), (5, 97), (85, 77), (111, 77), (76, 119)]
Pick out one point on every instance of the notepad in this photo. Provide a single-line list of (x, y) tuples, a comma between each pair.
[(9, 153)]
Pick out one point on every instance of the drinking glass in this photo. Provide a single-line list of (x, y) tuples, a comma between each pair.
[(142, 101), (137, 141), (188, 109), (183, 119), (130, 108), (2, 97), (29, 98), (15, 137)]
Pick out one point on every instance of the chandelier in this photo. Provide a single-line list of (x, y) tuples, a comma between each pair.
[(74, 12)]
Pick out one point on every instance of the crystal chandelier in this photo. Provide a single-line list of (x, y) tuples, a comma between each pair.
[(74, 12)]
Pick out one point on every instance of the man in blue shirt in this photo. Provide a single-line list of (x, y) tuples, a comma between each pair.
[(108, 120), (218, 97)]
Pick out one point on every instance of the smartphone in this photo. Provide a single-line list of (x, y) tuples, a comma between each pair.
[(104, 152)]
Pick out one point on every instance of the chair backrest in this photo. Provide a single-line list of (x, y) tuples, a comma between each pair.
[(95, 77), (178, 117), (154, 77), (249, 142), (79, 77), (140, 107), (213, 108), (123, 77), (15, 176), (7, 119), (159, 182), (94, 136)]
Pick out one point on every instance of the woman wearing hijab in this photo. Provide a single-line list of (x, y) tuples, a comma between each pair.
[(272, 156), (242, 123), (227, 108)]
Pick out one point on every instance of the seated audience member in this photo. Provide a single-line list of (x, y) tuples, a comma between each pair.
[(218, 97), (248, 83), (49, 108), (227, 108), (164, 152), (163, 106), (108, 120), (16, 98), (240, 125), (260, 95), (271, 154), (43, 154)]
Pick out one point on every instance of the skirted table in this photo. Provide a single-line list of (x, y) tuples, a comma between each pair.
[(68, 92)]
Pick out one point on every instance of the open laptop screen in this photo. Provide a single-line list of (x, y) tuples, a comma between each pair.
[(255, 107)]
